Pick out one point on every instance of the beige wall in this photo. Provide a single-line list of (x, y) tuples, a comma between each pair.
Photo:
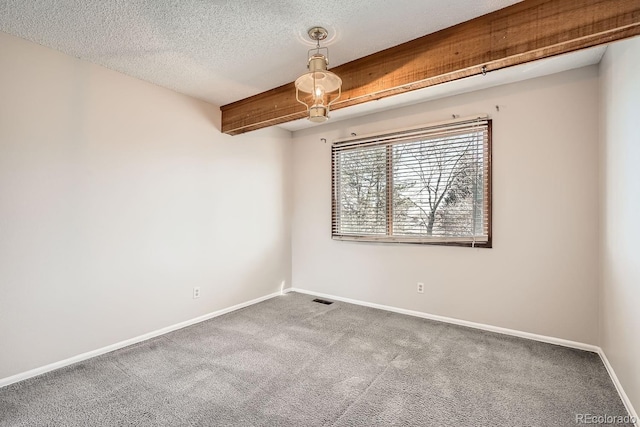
[(541, 275), (117, 197), (620, 232)]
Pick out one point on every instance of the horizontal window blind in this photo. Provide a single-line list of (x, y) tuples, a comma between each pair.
[(425, 185)]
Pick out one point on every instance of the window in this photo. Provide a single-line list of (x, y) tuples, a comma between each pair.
[(427, 185)]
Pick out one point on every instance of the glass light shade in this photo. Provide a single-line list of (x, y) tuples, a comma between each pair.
[(318, 88), (325, 81)]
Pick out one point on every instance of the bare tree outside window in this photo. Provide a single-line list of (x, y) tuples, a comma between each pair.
[(363, 195), (440, 183), (426, 189)]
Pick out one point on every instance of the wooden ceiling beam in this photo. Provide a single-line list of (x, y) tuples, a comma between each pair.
[(523, 32)]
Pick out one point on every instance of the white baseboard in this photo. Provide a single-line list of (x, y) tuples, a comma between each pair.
[(497, 329), (88, 355), (616, 382), (484, 327)]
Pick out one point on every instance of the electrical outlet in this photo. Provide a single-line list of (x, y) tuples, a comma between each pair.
[(420, 288), (196, 292)]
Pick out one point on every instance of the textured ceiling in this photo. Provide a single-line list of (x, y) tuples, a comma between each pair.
[(223, 51)]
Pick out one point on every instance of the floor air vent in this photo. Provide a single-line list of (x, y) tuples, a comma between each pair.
[(323, 301)]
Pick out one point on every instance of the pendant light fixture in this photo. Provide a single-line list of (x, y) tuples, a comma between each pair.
[(319, 88)]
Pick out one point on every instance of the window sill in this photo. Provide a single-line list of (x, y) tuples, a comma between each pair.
[(461, 242)]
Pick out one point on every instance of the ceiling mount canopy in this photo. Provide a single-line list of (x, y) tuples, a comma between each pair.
[(318, 88)]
